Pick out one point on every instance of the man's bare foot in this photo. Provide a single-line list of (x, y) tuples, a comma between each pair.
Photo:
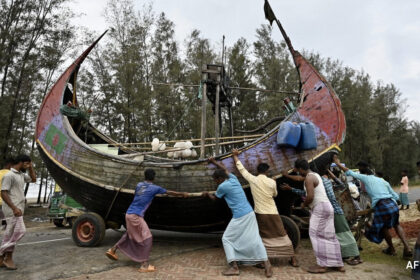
[(389, 251), (340, 269), (294, 262), (260, 265), (268, 269), (111, 254), (8, 262), (232, 271), (148, 268), (317, 269)]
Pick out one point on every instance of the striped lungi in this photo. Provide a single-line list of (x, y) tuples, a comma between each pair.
[(386, 215), (242, 241), (136, 243), (346, 239), (276, 241), (322, 235), (14, 232)]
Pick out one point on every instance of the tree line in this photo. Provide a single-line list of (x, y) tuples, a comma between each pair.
[(38, 40)]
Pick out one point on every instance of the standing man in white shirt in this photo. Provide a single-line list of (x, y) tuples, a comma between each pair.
[(13, 196)]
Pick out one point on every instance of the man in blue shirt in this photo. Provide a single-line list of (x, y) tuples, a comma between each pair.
[(386, 211), (136, 243), (241, 240)]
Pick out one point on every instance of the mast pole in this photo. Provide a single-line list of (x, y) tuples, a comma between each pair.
[(217, 113), (203, 112)]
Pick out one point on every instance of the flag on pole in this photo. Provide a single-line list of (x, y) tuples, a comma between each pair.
[(269, 14)]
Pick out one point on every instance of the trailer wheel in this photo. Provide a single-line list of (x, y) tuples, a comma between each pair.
[(88, 230), (292, 230)]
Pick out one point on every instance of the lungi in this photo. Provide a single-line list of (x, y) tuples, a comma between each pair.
[(136, 243), (276, 241), (14, 232), (415, 272), (404, 199), (346, 239), (242, 242), (322, 235), (386, 215)]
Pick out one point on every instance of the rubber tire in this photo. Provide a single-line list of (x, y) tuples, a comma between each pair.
[(99, 225), (292, 230), (58, 222)]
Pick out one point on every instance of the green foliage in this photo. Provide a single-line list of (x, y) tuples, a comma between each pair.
[(34, 38)]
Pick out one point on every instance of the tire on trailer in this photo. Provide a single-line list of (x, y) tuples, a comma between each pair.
[(292, 230), (58, 222), (88, 230)]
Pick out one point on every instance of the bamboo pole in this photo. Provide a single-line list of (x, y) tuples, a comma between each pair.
[(203, 113)]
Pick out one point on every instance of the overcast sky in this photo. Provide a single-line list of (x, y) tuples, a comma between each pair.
[(382, 37)]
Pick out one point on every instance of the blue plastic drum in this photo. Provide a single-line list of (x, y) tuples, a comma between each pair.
[(289, 134)]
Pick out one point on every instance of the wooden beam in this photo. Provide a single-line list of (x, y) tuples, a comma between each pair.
[(217, 115)]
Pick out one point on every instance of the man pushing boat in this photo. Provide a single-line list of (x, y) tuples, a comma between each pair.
[(264, 189), (386, 211), (241, 240), (136, 243)]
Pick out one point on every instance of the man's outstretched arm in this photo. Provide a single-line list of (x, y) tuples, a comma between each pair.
[(178, 194), (297, 178), (218, 164), (248, 176), (209, 195)]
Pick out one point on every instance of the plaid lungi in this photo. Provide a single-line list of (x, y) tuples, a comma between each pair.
[(386, 215), (15, 230)]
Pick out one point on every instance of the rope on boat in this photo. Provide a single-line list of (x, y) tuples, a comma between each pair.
[(119, 190), (238, 88)]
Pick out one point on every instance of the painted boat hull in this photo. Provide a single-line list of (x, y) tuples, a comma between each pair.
[(94, 178)]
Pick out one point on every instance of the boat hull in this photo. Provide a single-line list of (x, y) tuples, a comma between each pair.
[(95, 179)]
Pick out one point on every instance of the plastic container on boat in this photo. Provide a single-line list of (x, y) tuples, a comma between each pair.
[(289, 134), (307, 137)]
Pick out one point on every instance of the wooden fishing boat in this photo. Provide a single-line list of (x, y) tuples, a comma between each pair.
[(104, 184)]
